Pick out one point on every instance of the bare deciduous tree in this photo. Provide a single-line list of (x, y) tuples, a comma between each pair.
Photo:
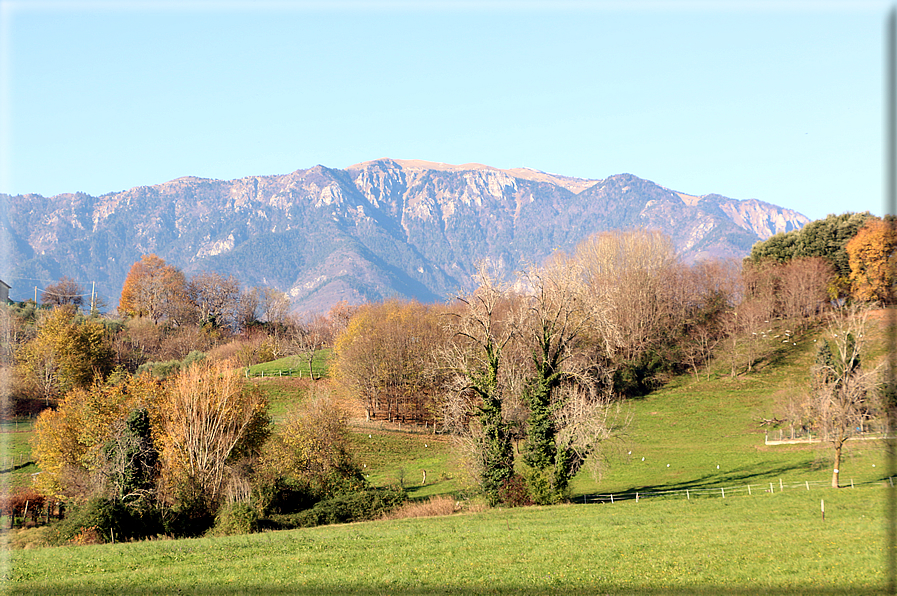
[(481, 331), (207, 413), (841, 401), (65, 291), (216, 298), (631, 279)]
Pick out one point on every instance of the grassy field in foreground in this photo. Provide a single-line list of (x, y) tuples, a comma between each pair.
[(766, 544)]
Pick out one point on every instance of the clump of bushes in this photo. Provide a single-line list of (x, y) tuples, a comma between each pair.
[(100, 520), (347, 507), (433, 507), (163, 370), (235, 518)]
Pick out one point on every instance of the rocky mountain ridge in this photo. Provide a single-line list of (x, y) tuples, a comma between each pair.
[(373, 230)]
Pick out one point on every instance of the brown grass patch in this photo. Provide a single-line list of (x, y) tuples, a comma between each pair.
[(438, 505)]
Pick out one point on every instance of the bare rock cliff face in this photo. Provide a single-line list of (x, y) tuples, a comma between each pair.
[(374, 230), (761, 218)]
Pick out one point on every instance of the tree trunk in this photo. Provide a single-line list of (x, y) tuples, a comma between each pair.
[(837, 468)]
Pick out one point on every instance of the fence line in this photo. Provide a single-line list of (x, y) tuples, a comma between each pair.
[(285, 372), (794, 436), (724, 491), (12, 463)]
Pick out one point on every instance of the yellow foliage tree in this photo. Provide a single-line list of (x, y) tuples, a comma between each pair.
[(65, 353), (385, 356), (311, 453), (208, 416), (873, 264), (68, 441)]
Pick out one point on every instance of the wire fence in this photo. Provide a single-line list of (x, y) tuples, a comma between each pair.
[(11, 463), (726, 491), (790, 436), (281, 372), (17, 425)]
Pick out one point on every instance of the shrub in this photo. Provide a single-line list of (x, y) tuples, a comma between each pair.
[(160, 370), (100, 520), (513, 492), (236, 518), (540, 488), (189, 518), (344, 508), (31, 537), (435, 506)]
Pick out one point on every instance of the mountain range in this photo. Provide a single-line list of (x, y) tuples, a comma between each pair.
[(370, 231)]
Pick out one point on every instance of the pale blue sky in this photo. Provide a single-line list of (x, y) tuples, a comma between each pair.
[(782, 102)]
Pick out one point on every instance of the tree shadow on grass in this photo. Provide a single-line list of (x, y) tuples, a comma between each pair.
[(735, 478)]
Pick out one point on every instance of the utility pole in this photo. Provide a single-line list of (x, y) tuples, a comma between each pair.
[(93, 293), (35, 295)]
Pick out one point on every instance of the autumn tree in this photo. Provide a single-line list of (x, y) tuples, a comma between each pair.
[(208, 416), (156, 290), (66, 353), (384, 356), (71, 442), (841, 397), (309, 458), (825, 238), (873, 264), (65, 291)]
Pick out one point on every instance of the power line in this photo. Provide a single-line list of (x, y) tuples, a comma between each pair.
[(46, 293), (49, 281)]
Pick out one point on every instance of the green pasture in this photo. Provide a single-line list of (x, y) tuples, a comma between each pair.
[(767, 544), (294, 366), (16, 466), (703, 435), (690, 426), (397, 458)]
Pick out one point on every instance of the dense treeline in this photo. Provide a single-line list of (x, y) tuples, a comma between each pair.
[(146, 413), (546, 359)]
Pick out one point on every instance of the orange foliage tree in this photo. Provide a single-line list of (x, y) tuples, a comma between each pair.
[(153, 289), (873, 268)]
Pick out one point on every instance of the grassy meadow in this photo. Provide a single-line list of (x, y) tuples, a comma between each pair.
[(293, 366), (699, 434), (771, 544)]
